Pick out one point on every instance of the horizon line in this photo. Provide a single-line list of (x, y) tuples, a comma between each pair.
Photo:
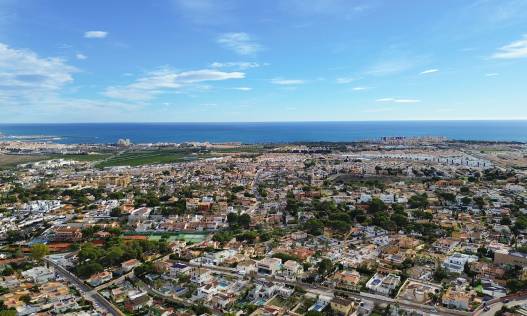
[(267, 122)]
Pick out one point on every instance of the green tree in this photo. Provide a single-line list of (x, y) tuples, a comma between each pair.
[(38, 251), (377, 205), (244, 220), (418, 201), (314, 227), (325, 266)]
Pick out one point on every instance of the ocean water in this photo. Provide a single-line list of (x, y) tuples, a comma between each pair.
[(279, 132)]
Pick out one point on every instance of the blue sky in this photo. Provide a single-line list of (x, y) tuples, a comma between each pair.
[(282, 60)]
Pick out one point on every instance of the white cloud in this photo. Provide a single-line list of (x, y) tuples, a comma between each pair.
[(243, 88), (31, 87), (429, 71), (95, 34), (395, 100), (165, 79), (80, 56), (360, 88), (345, 80), (23, 74), (516, 49), (287, 82), (242, 65), (241, 43), (492, 74)]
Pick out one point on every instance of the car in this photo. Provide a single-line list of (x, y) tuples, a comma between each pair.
[(506, 300), (486, 308)]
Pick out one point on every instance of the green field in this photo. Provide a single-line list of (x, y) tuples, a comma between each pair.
[(137, 158)]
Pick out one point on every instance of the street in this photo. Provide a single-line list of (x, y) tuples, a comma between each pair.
[(85, 290)]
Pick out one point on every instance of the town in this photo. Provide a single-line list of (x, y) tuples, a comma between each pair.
[(394, 226)]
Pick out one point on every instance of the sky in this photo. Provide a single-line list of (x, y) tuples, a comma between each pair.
[(262, 60)]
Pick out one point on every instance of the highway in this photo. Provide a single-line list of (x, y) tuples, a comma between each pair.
[(85, 290)]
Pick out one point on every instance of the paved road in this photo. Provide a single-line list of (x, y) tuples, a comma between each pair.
[(498, 305), (85, 290)]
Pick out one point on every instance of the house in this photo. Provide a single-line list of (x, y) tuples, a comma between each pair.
[(139, 215), (320, 304), (138, 301), (507, 257), (175, 269), (291, 270), (491, 289), (130, 264), (200, 276), (206, 292), (64, 305), (418, 291), (458, 299), (67, 233), (217, 258), (100, 278), (444, 245), (263, 290), (39, 275), (343, 307), (383, 284), (348, 279), (456, 262), (118, 295), (246, 267), (269, 266)]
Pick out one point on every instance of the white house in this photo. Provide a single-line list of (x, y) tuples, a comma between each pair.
[(39, 275)]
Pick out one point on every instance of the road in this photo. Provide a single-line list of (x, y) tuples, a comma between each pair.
[(498, 304), (85, 290)]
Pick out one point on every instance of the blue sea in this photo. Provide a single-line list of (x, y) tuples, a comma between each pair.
[(279, 132)]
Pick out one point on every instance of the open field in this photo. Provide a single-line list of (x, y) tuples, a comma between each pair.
[(132, 158), (90, 157), (10, 161)]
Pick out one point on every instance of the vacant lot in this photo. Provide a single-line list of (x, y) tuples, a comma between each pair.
[(10, 161)]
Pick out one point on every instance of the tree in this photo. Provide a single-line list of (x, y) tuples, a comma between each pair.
[(440, 274), (115, 212), (87, 269), (314, 227), (38, 251), (418, 201), (466, 200), (377, 205), (244, 220), (325, 266), (25, 298)]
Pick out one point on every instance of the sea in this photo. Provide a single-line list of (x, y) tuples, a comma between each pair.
[(258, 133)]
